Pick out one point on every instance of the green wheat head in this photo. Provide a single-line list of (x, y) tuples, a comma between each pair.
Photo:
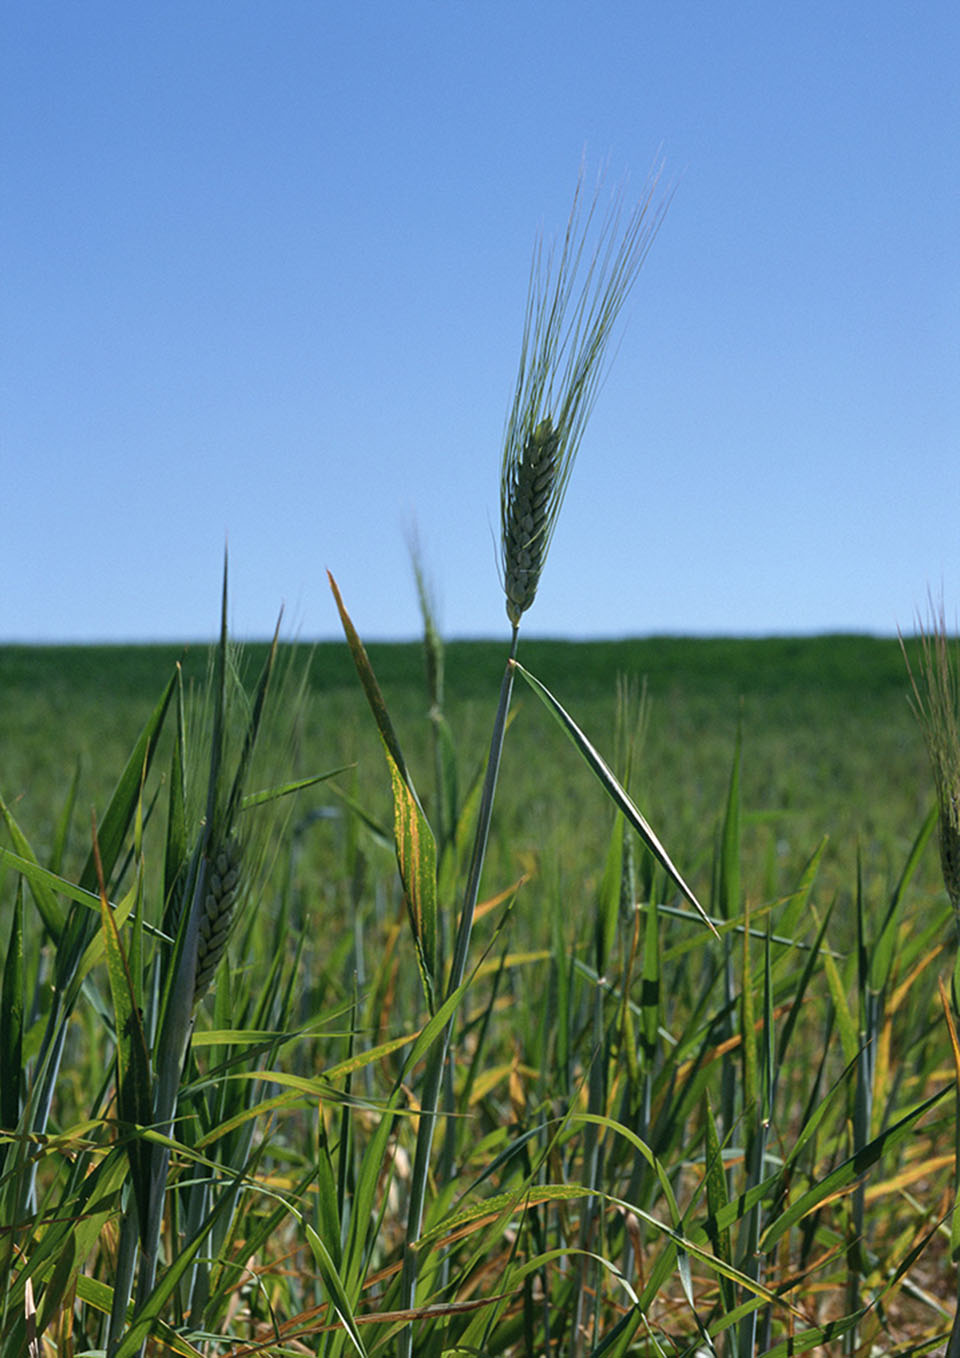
[(574, 300), (936, 694)]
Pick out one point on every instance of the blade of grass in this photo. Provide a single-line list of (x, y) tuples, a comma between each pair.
[(850, 1172), (613, 789), (415, 845), (11, 1024), (41, 880), (62, 829), (716, 1185), (134, 1075), (149, 1311)]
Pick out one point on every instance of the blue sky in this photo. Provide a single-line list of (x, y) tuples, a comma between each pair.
[(264, 272)]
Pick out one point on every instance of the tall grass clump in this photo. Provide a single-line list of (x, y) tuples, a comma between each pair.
[(114, 1185)]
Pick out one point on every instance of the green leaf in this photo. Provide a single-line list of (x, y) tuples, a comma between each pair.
[(70, 1243), (112, 830), (134, 1079), (24, 861), (84, 1207), (748, 1043), (363, 1207), (94, 952), (798, 903), (802, 1341), (252, 732), (799, 993), (273, 794), (148, 1315), (413, 839), (608, 911), (43, 878), (99, 1295), (650, 990), (729, 883), (852, 1169), (881, 959), (111, 833), (11, 1024), (333, 1284), (716, 1182), (448, 792), (846, 1023), (63, 822), (176, 849), (613, 788), (328, 1208)]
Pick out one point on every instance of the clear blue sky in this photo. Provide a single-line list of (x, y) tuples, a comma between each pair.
[(264, 270)]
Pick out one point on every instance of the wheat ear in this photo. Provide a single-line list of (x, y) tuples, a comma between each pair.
[(219, 907), (526, 522), (936, 695), (573, 304)]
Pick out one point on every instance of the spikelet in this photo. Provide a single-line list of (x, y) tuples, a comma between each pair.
[(526, 523), (217, 915)]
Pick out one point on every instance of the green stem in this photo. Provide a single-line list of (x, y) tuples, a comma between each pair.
[(176, 1028), (953, 1347), (123, 1280), (438, 1056)]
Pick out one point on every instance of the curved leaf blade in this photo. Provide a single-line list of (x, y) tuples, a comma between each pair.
[(614, 790), (414, 842)]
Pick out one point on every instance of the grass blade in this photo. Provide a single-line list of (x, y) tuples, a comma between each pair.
[(11, 1024), (614, 790), (851, 1171), (41, 880), (415, 847), (134, 1076)]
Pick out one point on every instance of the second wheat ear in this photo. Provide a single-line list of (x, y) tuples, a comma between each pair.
[(219, 904)]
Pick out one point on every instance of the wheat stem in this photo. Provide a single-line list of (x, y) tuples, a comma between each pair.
[(570, 315), (430, 1095)]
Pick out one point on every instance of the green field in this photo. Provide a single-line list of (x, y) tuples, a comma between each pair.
[(830, 744), (580, 1030)]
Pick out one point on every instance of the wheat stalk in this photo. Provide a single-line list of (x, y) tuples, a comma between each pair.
[(569, 317), (573, 303)]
